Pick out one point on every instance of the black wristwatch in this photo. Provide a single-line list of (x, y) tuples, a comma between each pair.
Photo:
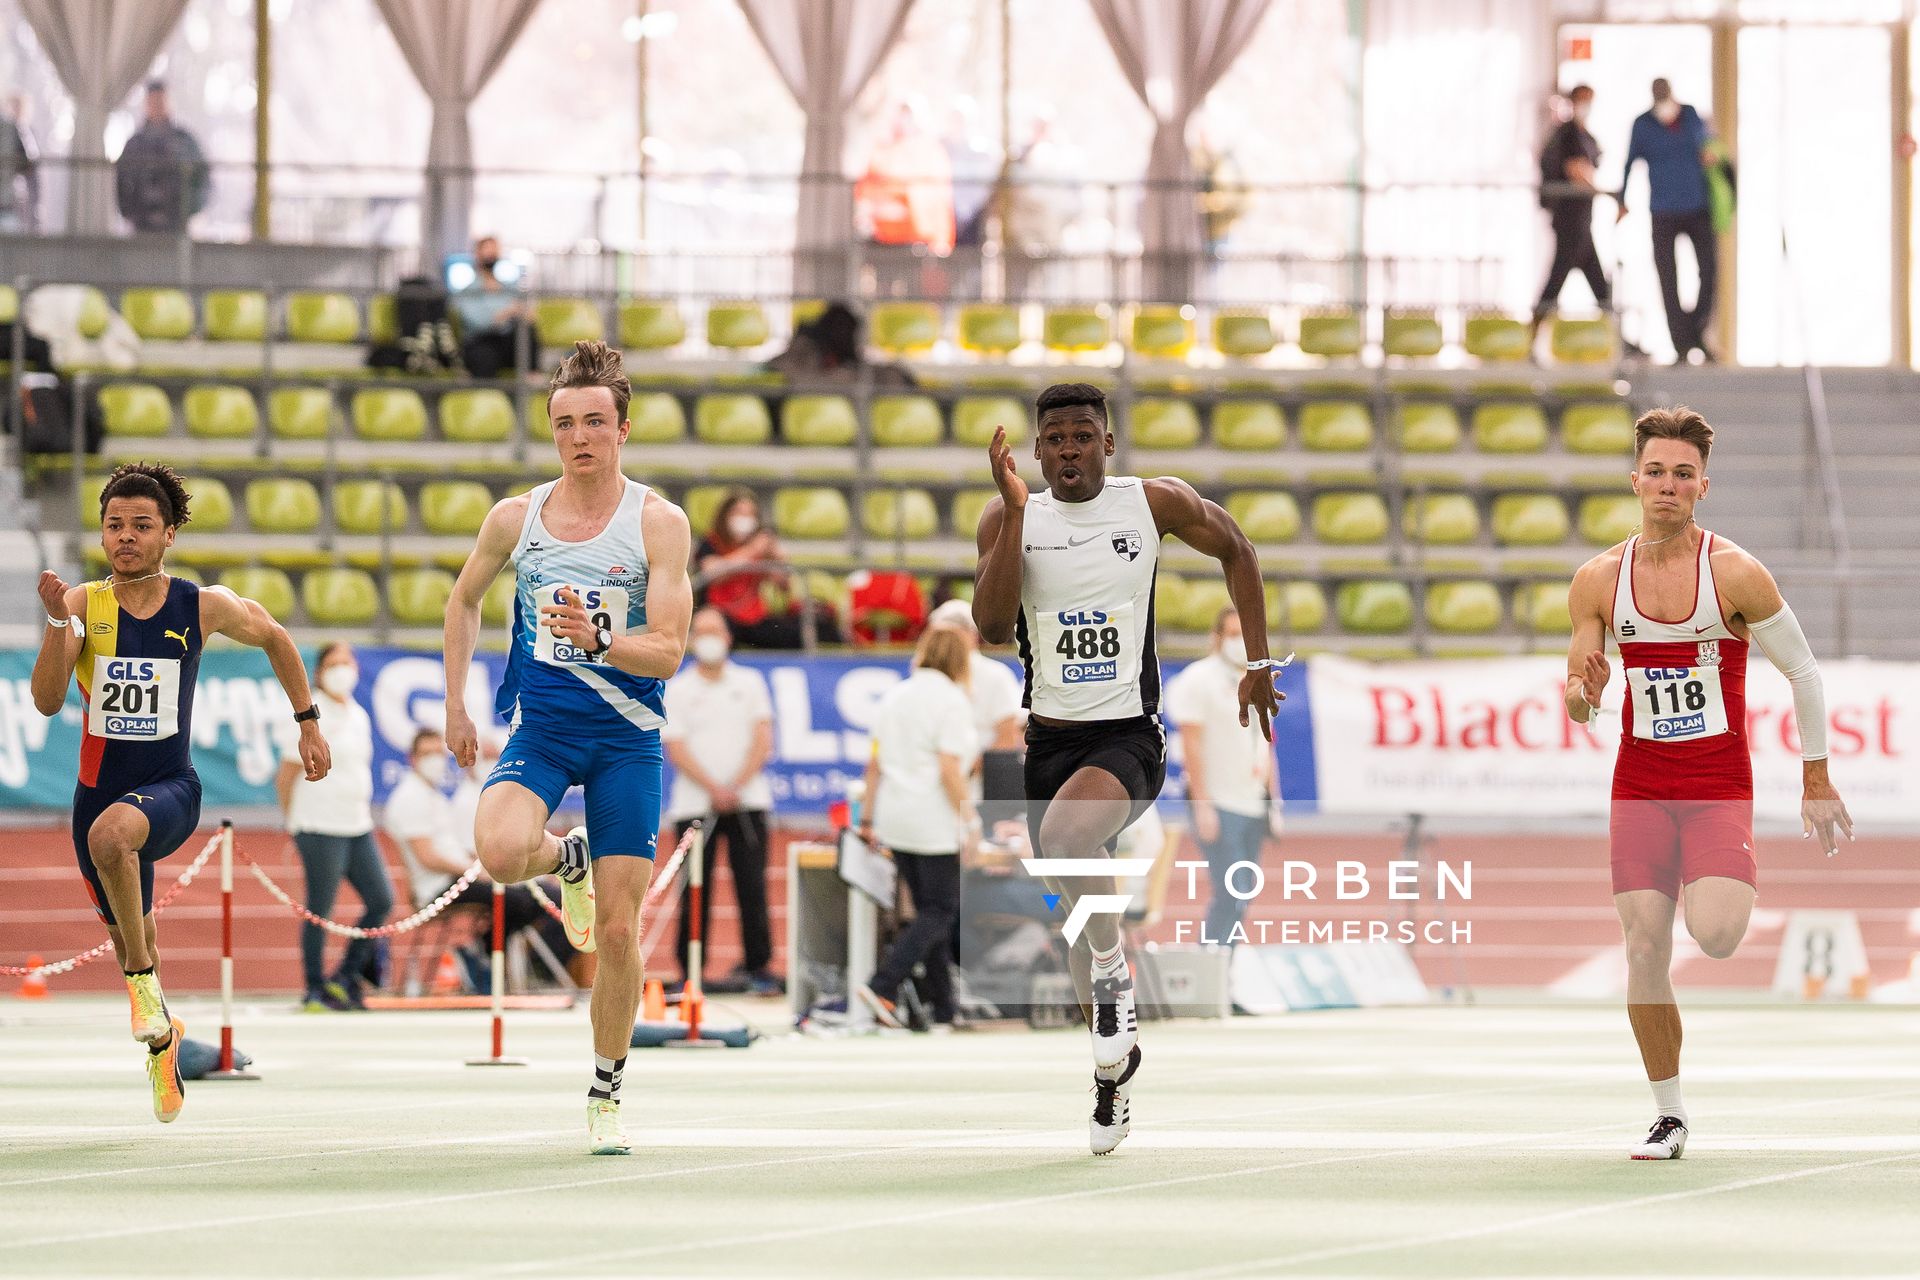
[(605, 637), (311, 713)]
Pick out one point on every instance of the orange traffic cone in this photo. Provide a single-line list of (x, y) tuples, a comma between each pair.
[(446, 979), (654, 1006), (1861, 986), (34, 985)]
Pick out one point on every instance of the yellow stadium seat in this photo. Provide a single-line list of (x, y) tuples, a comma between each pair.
[(369, 506), (904, 328), (322, 317), (702, 504), (389, 413), (300, 413), (1542, 607), (340, 597), (539, 425), (1374, 607), (657, 417), (1163, 333), (454, 506), (496, 607), (1608, 518), (209, 503), (989, 328), (976, 417), (1597, 427), (894, 513), (1296, 607), (561, 322), (904, 421), (236, 315), (1332, 334), (820, 420), (186, 573), (480, 416), (220, 413), (1249, 425), (1350, 519), (1336, 426), (651, 324), (1243, 333), (736, 326), (1581, 341), (1463, 608), (1411, 334), (805, 311), (283, 505), (1159, 423), (158, 314), (1265, 517), (968, 506), (271, 589), (1200, 604), (94, 312), (136, 409), (1441, 519), (1169, 595), (383, 318), (418, 597), (732, 418), (1505, 426), (810, 514), (1426, 426), (9, 304), (1077, 328), (1529, 520), (1498, 337)]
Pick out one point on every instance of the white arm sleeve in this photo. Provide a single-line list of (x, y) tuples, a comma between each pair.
[(1785, 645)]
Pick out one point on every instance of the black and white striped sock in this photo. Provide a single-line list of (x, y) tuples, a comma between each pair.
[(607, 1073), (573, 861)]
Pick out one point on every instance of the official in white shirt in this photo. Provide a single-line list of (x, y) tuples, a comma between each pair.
[(332, 826), (719, 737), (1232, 785), (992, 687)]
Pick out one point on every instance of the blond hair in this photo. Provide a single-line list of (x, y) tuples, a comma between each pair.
[(944, 649), (1677, 423), (594, 364)]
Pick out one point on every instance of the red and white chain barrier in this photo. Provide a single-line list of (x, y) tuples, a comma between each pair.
[(87, 957), (656, 892), (339, 930)]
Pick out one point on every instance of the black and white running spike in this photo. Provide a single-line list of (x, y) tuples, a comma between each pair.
[(1116, 1025), (1112, 1105), (1665, 1141)]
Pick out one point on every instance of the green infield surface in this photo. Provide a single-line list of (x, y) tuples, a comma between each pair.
[(1481, 1141)]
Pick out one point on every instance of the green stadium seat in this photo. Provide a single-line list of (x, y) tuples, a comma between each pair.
[(1463, 608), (1200, 605), (736, 326), (1581, 341), (418, 597), (989, 328), (651, 324), (186, 573), (1542, 608), (271, 589), (904, 328), (829, 589), (810, 514), (976, 417), (220, 413), (322, 317), (300, 413), (1169, 597), (819, 420), (1249, 425), (1332, 334), (1506, 426), (164, 315), (1243, 333), (496, 606), (905, 421), (210, 503), (1609, 518), (561, 322), (1072, 329), (369, 506), (1411, 334), (94, 312), (236, 315), (1497, 337), (702, 503), (968, 506), (1265, 517), (1350, 519), (539, 425), (1529, 520), (383, 318), (1163, 333), (732, 418), (389, 413), (450, 507), (1426, 426), (805, 311), (283, 505), (136, 409), (480, 416), (1296, 607), (1336, 426), (1441, 519), (1159, 423), (1597, 427), (340, 597), (9, 304), (894, 513), (656, 417), (1374, 607)]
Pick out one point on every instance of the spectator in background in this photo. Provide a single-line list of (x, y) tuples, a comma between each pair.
[(491, 315), (1568, 184), (976, 170), (19, 171), (719, 737), (1041, 201), (1672, 138), (992, 688), (918, 806), (904, 203), (332, 826), (1232, 790), (161, 179), (829, 348), (757, 603), (1223, 188)]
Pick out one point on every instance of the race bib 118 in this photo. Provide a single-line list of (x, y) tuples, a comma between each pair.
[(606, 609), (1676, 704)]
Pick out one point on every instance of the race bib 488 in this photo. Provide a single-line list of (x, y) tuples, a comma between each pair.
[(1088, 646)]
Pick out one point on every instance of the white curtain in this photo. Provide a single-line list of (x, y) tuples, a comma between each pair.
[(454, 47), (101, 48), (1173, 52), (826, 51)]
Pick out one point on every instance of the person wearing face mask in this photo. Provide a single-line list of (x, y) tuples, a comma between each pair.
[(332, 826), (491, 314), (1567, 188), (760, 608), (719, 737), (1232, 784), (1673, 140)]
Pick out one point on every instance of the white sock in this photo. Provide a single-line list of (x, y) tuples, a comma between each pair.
[(1108, 963), (607, 1073), (1666, 1099)]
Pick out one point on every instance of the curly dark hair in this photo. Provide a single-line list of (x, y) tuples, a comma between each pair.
[(154, 480)]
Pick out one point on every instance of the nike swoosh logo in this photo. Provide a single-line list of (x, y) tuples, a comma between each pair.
[(1698, 630), (1081, 542)]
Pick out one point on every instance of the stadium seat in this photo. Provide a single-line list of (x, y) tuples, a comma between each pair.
[(821, 420), (1249, 425), (701, 504), (1373, 607), (135, 409), (283, 505), (210, 503), (454, 506), (236, 315), (94, 312), (1296, 607), (657, 418), (1426, 426), (897, 513), (1441, 519), (1265, 517), (389, 413), (736, 326), (418, 597), (340, 597), (9, 304), (1243, 333), (903, 421), (270, 588), (1169, 597), (1332, 334), (539, 425), (1529, 520), (158, 314), (651, 324), (1463, 608), (1597, 427), (1411, 334), (369, 506), (732, 418), (904, 328), (810, 514), (1607, 518), (1163, 333), (1159, 423), (1506, 426), (1350, 519), (1200, 604), (322, 317), (186, 573), (561, 322), (989, 328), (496, 606), (968, 506), (300, 413), (805, 311), (1072, 329), (1497, 337), (481, 416), (383, 318), (976, 417), (1581, 341), (1542, 608), (1336, 426), (220, 413)]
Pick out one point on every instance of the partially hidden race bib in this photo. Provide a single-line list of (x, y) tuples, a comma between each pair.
[(606, 607), (1088, 646), (1676, 704), (134, 699)]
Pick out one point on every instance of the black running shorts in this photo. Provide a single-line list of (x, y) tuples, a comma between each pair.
[(1133, 750)]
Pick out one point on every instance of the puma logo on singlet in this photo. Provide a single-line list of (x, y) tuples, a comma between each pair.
[(181, 636), (137, 798)]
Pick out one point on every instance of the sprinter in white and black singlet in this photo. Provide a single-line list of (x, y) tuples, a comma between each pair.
[(1068, 573)]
